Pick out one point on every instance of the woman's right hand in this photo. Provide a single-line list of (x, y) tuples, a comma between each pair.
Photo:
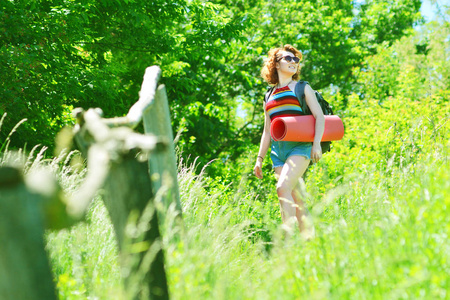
[(257, 170)]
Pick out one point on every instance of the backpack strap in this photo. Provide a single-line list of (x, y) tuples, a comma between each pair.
[(300, 93), (268, 93)]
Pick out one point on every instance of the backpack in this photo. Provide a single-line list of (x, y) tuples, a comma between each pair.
[(300, 93), (326, 109)]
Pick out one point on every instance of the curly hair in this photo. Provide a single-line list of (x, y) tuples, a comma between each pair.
[(269, 71)]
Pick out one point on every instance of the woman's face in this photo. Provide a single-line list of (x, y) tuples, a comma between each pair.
[(285, 66)]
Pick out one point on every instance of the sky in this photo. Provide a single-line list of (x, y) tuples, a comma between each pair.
[(429, 11)]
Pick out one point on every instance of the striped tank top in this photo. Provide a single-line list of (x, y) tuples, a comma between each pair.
[(283, 103)]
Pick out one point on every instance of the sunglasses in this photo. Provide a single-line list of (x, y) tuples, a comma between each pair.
[(290, 58)]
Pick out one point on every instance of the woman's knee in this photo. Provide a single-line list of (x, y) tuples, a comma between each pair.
[(284, 190)]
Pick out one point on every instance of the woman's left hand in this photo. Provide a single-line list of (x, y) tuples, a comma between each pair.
[(316, 152)]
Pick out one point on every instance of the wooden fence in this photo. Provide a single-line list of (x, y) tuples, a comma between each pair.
[(130, 168)]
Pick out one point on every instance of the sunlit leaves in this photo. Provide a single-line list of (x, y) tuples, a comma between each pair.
[(93, 54)]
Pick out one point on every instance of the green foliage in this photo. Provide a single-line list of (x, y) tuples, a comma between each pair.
[(380, 199), (335, 37), (404, 112), (38, 69), (380, 234), (56, 55)]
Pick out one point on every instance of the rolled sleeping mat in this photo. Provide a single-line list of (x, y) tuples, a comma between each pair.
[(302, 128)]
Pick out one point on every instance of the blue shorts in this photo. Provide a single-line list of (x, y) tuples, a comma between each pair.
[(280, 151)]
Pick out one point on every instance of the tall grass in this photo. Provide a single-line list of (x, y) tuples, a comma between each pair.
[(379, 236), (382, 233), (5, 144)]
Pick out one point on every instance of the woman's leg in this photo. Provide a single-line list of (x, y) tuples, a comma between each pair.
[(284, 217), (292, 207), (305, 222)]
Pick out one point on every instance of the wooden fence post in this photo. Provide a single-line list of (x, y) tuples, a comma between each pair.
[(153, 109), (163, 165), (24, 267), (117, 162)]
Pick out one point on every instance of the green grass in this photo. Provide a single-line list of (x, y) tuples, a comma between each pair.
[(382, 217), (380, 202), (85, 258), (381, 234)]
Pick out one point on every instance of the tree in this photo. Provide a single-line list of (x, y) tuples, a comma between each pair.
[(59, 54), (334, 36)]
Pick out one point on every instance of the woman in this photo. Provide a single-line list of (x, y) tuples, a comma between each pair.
[(290, 159)]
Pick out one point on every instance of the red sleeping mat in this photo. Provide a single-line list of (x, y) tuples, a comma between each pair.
[(302, 128)]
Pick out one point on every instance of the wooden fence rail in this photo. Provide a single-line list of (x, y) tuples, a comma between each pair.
[(129, 167)]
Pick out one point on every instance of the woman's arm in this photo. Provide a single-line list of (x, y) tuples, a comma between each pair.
[(264, 145), (316, 110)]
